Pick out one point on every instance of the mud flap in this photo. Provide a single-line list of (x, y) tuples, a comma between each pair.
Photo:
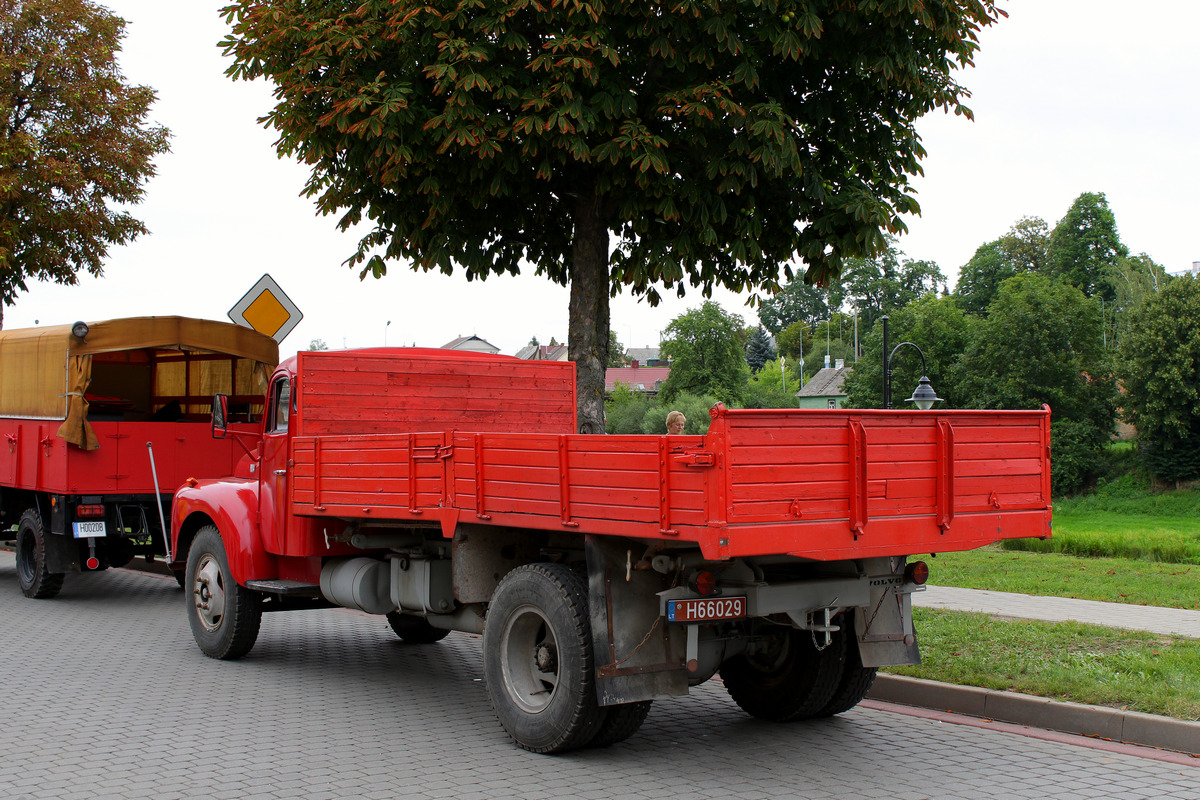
[(886, 636), (636, 655)]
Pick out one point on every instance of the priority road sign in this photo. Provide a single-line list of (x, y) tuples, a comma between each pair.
[(266, 309)]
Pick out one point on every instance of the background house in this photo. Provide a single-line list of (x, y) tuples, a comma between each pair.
[(824, 390), (639, 378), (473, 343)]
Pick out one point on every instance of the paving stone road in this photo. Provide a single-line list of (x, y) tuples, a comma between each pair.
[(108, 697)]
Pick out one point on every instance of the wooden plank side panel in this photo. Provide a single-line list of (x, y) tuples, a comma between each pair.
[(390, 391)]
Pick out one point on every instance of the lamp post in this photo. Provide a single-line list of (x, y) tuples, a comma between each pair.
[(385, 327), (923, 396)]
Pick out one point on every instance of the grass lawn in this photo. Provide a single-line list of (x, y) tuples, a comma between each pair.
[(1112, 580), (1066, 661)]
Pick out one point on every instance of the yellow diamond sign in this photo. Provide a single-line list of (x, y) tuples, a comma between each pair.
[(266, 309)]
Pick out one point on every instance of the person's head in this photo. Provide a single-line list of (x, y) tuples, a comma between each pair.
[(675, 422)]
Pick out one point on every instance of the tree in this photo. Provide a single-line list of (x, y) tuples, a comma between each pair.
[(706, 356), (616, 351), (938, 326), (74, 143), (799, 302), (879, 285), (715, 141), (317, 344), (791, 340), (759, 349), (1134, 280), (1023, 249), (1085, 247), (1042, 342), (1161, 365)]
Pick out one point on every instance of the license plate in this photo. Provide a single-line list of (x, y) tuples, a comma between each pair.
[(86, 530), (703, 609)]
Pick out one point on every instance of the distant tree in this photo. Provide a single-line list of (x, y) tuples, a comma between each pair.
[(791, 340), (1134, 280), (624, 409), (773, 387), (74, 143), (798, 301), (1161, 375), (1023, 249), (759, 349), (936, 325), (533, 342), (706, 356), (318, 344), (616, 351), (879, 285), (714, 141), (1042, 342), (1085, 248)]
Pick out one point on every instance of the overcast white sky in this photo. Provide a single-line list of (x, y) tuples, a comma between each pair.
[(1069, 96)]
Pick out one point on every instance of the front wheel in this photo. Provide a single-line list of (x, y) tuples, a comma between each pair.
[(223, 615), (537, 659), (35, 579)]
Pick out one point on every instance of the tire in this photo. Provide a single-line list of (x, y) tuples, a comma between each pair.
[(856, 679), (620, 722), (788, 680), (414, 629), (35, 579), (537, 659), (223, 615)]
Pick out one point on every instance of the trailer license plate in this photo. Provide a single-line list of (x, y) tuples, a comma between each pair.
[(702, 609), (86, 530)]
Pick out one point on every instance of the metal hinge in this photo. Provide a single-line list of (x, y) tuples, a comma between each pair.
[(701, 458)]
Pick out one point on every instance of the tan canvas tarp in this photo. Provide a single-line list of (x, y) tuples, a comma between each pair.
[(44, 372)]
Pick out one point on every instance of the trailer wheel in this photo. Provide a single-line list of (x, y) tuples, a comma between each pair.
[(35, 579), (414, 629), (856, 679), (537, 659), (789, 679), (223, 615), (620, 722)]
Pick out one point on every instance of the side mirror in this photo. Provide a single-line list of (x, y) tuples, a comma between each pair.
[(220, 415)]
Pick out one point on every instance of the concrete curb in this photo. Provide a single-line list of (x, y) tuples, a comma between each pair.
[(1130, 727)]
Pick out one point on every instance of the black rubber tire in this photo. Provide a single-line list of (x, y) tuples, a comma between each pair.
[(856, 679), (414, 629), (224, 616), (35, 579), (537, 659), (620, 722), (791, 681)]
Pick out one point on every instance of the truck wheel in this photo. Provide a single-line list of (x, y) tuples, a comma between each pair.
[(537, 659), (35, 579), (856, 679), (620, 722), (224, 616), (789, 679), (414, 629)]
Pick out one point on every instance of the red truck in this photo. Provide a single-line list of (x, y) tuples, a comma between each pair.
[(103, 421), (449, 492)]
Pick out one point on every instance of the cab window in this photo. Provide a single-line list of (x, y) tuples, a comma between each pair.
[(281, 405)]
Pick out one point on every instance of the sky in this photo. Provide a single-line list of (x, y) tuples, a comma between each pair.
[(1069, 96)]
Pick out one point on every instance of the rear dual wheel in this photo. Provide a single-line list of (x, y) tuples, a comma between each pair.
[(790, 677), (537, 659)]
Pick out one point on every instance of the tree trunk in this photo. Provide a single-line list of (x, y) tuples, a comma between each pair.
[(587, 342)]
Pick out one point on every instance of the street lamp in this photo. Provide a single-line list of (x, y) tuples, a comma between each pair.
[(923, 396), (385, 327)]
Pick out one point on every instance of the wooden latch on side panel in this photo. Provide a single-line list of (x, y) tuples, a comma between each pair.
[(432, 453), (699, 458)]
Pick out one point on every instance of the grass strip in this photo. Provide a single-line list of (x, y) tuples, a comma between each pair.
[(1111, 580), (1130, 670)]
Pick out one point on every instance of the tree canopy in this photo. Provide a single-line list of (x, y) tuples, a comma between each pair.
[(1023, 249), (74, 143), (888, 281), (1085, 248), (1161, 349), (717, 142), (704, 346)]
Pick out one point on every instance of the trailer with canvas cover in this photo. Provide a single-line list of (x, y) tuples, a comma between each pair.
[(101, 422), (449, 492)]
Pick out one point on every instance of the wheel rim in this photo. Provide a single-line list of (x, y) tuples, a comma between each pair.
[(209, 593), (529, 659), (27, 556)]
